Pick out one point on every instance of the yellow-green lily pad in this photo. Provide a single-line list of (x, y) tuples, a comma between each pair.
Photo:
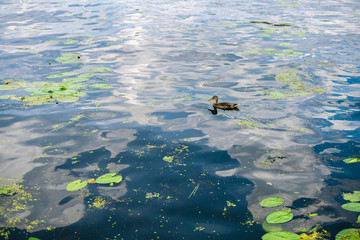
[(64, 74), (101, 69), (272, 202), (109, 178), (354, 207), (348, 234), (281, 235), (76, 185), (279, 217), (100, 85)]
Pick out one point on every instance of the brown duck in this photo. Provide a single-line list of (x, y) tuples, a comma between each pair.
[(223, 105)]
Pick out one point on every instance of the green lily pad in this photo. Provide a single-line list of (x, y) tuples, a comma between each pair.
[(64, 74), (279, 217), (109, 178), (76, 185), (100, 85), (348, 234), (351, 160), (6, 96), (272, 202), (33, 238), (67, 58), (271, 227), (101, 69), (352, 197), (354, 207), (285, 44), (281, 235), (9, 86), (66, 98)]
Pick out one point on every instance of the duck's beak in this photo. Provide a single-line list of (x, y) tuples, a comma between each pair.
[(211, 99)]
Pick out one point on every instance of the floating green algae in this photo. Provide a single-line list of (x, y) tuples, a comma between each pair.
[(248, 124), (295, 86), (15, 202)]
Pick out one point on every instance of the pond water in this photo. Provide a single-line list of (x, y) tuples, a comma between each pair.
[(95, 87)]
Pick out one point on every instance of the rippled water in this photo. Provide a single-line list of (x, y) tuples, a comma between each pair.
[(293, 67)]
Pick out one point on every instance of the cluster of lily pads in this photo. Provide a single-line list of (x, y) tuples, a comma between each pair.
[(109, 178), (284, 216), (45, 92)]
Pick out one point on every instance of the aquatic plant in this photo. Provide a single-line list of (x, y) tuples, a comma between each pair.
[(279, 217), (272, 202)]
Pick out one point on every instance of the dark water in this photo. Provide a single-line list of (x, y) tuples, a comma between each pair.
[(293, 67)]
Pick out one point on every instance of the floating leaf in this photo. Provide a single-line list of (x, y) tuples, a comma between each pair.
[(66, 98), (11, 86), (281, 235), (33, 238), (64, 74), (279, 217), (101, 69), (100, 85), (352, 197), (272, 202), (354, 207), (109, 178), (271, 227), (348, 234), (67, 58), (285, 44), (76, 185), (351, 160), (6, 96)]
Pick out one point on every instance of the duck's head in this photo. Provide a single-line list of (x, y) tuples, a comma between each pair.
[(215, 99)]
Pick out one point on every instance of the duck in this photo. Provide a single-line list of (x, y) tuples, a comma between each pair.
[(223, 105)]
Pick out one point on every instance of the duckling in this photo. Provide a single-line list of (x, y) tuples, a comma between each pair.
[(223, 105)]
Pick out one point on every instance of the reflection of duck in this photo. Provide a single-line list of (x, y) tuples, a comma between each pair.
[(223, 105)]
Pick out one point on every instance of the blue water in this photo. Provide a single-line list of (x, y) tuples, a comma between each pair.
[(161, 62)]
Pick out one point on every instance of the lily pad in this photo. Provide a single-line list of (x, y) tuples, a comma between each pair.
[(352, 197), (76, 185), (64, 74), (348, 234), (67, 58), (101, 69), (351, 160), (272, 202), (100, 85), (279, 217), (281, 235), (109, 178), (354, 207), (9, 87), (271, 227)]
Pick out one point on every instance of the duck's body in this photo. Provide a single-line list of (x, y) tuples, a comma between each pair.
[(223, 105)]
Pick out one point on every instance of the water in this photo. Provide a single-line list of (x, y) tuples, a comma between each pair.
[(293, 67)]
